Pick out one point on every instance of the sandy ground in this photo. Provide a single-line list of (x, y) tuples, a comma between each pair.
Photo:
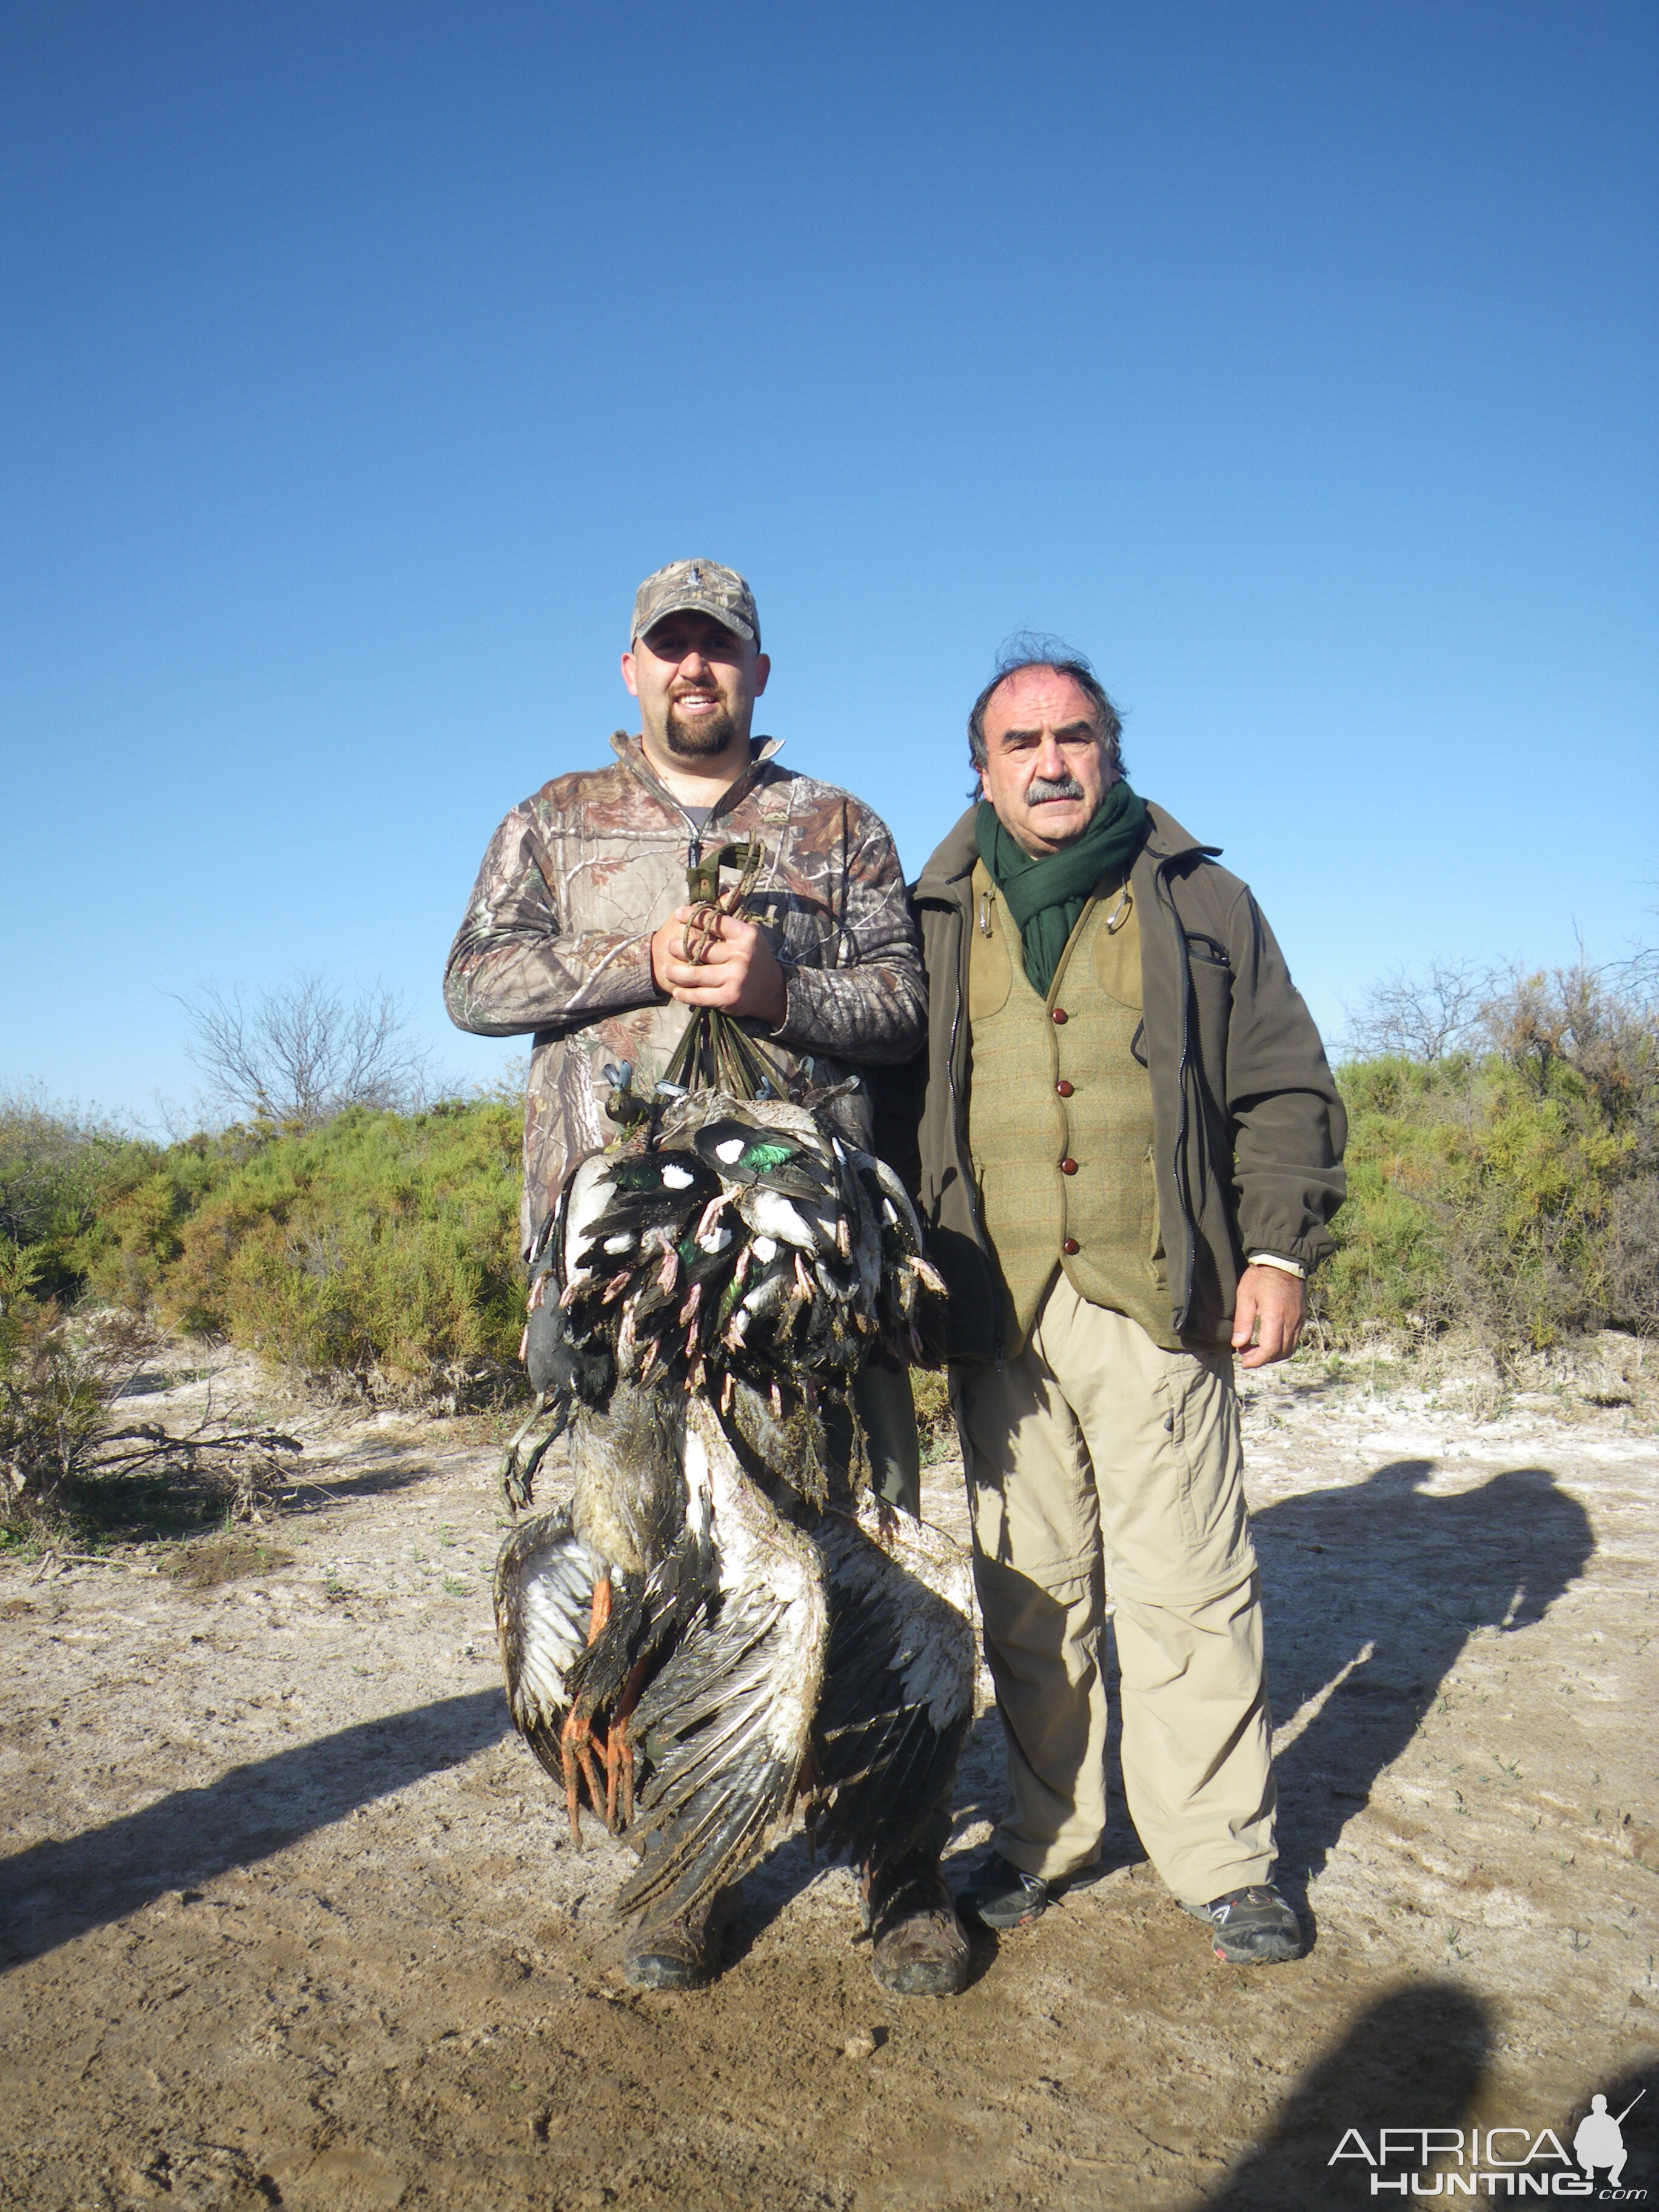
[(291, 1917)]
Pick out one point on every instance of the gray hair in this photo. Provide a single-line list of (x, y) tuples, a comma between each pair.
[(1035, 649)]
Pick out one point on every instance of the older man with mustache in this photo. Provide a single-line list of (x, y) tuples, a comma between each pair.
[(1130, 1148)]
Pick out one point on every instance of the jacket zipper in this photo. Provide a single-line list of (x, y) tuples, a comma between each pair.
[(1181, 1178), (722, 804), (971, 1187)]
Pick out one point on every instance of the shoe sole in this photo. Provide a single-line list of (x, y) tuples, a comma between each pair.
[(665, 1974), (931, 1977), (1281, 1953)]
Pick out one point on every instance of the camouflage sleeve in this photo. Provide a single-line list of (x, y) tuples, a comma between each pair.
[(510, 969), (868, 1001)]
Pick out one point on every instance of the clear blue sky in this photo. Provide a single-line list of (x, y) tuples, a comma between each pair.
[(1296, 361)]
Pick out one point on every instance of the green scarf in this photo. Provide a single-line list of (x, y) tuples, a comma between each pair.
[(1045, 896)]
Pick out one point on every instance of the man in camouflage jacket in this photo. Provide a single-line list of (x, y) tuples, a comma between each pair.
[(575, 933), (579, 908)]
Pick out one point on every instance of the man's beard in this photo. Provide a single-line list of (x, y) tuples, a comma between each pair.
[(1059, 786), (705, 734)]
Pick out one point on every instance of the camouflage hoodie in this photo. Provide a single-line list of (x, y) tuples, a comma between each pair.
[(556, 941)]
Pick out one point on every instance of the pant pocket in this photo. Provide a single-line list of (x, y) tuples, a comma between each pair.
[(1209, 1456)]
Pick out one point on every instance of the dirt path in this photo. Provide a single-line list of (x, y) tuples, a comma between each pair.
[(291, 1916)]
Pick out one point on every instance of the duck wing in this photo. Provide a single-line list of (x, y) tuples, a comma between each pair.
[(898, 1683), (725, 1725), (910, 1295)]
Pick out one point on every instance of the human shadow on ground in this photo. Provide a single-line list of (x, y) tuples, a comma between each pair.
[(1415, 2058), (1371, 1592), (1401, 1582), (55, 1892)]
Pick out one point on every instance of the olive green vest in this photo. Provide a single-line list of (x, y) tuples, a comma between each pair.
[(1060, 1116)]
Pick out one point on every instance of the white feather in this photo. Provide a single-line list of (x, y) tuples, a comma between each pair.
[(771, 1213)]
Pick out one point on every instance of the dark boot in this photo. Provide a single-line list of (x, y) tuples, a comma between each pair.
[(681, 1953), (919, 1948)]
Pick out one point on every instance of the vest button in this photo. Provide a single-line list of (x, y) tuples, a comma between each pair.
[(1071, 1248), (1064, 1088), (1059, 1014), (1068, 1167)]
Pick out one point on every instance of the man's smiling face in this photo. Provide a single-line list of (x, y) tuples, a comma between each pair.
[(1045, 769), (697, 683)]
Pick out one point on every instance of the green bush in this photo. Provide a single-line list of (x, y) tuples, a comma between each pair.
[(1508, 1194), (380, 1242), (1507, 1191), (57, 1168), (52, 1401)]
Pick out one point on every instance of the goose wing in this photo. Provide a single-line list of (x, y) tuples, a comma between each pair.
[(899, 1683), (725, 1726), (937, 1561), (580, 1641), (544, 1583)]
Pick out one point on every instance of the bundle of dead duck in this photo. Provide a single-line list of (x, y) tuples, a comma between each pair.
[(742, 1237)]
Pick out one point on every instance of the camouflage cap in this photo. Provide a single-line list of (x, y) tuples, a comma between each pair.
[(702, 585)]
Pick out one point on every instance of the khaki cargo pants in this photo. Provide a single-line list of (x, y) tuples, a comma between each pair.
[(1095, 1457)]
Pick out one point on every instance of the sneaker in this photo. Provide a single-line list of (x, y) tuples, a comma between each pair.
[(920, 1947), (998, 1895), (1252, 1927), (678, 1955)]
